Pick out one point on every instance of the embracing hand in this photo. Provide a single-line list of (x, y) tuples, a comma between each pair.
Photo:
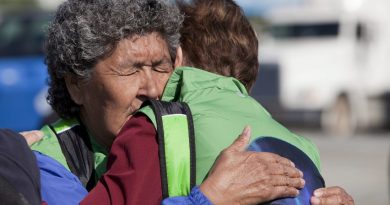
[(32, 136), (242, 177), (331, 196)]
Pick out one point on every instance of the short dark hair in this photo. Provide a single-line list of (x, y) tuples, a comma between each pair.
[(217, 37), (84, 32)]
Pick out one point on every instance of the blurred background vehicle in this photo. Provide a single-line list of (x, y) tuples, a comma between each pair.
[(23, 75), (332, 65)]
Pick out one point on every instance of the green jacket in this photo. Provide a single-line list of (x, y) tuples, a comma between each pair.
[(88, 153), (220, 107)]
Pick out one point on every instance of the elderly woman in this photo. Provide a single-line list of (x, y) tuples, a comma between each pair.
[(105, 58)]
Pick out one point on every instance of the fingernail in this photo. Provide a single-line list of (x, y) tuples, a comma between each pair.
[(303, 182), (315, 200), (292, 164), (300, 173), (318, 193), (247, 131)]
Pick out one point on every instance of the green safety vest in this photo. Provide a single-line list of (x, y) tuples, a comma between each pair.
[(219, 107), (68, 142)]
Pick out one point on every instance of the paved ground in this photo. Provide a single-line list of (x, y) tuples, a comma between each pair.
[(359, 164)]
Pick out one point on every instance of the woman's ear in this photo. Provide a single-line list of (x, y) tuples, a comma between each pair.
[(179, 57), (73, 86)]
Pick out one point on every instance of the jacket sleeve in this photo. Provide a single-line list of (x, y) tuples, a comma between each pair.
[(58, 184), (196, 197)]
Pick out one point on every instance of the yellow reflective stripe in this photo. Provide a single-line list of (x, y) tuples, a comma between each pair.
[(64, 125), (177, 154)]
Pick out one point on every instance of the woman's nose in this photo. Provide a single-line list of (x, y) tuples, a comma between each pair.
[(148, 87)]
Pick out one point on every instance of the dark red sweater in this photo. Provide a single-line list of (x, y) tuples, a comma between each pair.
[(133, 170)]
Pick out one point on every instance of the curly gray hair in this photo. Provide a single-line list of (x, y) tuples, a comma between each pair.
[(85, 31)]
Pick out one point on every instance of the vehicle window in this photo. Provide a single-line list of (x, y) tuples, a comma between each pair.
[(22, 35), (305, 30)]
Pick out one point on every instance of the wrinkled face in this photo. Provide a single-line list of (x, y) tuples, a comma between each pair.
[(138, 69)]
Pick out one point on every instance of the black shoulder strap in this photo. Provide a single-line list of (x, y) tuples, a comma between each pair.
[(160, 109), (77, 149)]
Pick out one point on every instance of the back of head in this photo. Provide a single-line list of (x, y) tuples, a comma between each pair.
[(217, 37)]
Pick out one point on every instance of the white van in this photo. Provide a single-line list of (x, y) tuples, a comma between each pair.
[(334, 58)]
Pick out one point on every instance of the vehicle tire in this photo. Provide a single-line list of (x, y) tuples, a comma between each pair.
[(339, 120)]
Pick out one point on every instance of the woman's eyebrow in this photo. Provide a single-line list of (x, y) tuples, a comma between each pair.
[(156, 63)]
